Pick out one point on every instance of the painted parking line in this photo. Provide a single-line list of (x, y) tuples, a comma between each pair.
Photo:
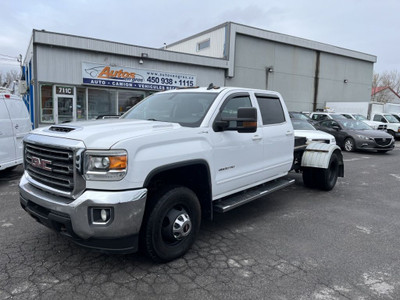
[(397, 176), (356, 158)]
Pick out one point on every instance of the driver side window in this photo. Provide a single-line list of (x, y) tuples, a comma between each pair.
[(230, 108)]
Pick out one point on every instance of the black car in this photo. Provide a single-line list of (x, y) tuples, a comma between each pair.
[(354, 135)]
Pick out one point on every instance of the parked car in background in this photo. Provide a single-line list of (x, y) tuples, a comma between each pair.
[(319, 116), (303, 128), (296, 115), (397, 116), (393, 125), (354, 135), (14, 125), (374, 124)]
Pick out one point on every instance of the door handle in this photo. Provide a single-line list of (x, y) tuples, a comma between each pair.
[(289, 132), (257, 138), (16, 126)]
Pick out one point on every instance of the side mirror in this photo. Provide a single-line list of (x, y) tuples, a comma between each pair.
[(336, 127), (246, 121)]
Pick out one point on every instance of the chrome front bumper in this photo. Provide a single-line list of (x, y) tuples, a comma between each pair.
[(128, 210)]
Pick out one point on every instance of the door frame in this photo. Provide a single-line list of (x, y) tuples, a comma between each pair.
[(63, 91)]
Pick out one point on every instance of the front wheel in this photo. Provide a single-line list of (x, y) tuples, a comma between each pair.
[(391, 132), (349, 145), (172, 224), (309, 177)]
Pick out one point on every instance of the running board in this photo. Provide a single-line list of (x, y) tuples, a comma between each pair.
[(238, 199)]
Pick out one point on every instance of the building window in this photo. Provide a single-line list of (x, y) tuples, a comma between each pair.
[(46, 104), (101, 103), (128, 99), (81, 110), (203, 45)]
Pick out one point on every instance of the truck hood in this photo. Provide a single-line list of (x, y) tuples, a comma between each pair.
[(103, 134)]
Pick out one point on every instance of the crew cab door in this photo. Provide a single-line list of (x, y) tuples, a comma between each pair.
[(278, 136), (236, 156)]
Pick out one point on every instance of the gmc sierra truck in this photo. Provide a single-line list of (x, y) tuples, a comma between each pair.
[(148, 178)]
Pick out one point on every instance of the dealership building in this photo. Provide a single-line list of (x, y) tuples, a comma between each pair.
[(74, 78)]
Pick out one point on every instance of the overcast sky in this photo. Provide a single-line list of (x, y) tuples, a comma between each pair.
[(369, 26)]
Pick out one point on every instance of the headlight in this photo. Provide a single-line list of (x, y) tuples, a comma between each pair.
[(333, 141), (105, 165), (363, 137)]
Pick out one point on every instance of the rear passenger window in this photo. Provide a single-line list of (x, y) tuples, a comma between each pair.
[(271, 110)]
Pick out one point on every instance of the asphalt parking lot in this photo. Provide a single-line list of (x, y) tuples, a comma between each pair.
[(296, 243)]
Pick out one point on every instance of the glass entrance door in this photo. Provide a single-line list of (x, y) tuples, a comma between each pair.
[(65, 111)]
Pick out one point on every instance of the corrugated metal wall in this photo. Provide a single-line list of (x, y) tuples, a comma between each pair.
[(64, 65), (293, 72)]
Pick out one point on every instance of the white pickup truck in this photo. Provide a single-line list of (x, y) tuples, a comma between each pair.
[(393, 125), (148, 178)]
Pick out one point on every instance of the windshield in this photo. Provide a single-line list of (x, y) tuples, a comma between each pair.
[(299, 116), (391, 119), (355, 125), (360, 117), (397, 117), (302, 125), (187, 109), (337, 117)]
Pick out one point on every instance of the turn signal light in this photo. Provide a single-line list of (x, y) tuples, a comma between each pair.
[(117, 162)]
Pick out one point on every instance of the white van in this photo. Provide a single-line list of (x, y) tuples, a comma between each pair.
[(15, 123)]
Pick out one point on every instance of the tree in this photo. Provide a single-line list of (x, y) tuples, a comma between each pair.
[(9, 77), (389, 79)]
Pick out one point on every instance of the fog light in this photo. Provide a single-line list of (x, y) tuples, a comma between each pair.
[(101, 216)]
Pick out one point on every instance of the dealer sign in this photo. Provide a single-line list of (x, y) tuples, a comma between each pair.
[(124, 77)]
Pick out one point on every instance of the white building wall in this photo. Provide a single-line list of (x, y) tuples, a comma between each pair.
[(216, 49)]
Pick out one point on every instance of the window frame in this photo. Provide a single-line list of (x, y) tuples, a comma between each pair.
[(199, 46)]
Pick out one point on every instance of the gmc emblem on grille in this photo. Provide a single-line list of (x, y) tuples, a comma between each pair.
[(41, 163)]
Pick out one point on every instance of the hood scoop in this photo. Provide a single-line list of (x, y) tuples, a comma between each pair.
[(63, 129)]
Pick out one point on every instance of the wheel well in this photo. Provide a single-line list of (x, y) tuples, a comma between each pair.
[(195, 176)]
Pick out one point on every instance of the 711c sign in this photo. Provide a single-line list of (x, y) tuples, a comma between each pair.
[(64, 90)]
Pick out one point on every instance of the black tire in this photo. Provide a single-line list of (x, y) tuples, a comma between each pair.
[(309, 177), (349, 145), (391, 132), (327, 177), (172, 224)]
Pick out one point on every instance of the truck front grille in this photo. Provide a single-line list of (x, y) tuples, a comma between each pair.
[(50, 166), (382, 127)]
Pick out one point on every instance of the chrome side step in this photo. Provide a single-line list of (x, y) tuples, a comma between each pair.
[(230, 202)]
